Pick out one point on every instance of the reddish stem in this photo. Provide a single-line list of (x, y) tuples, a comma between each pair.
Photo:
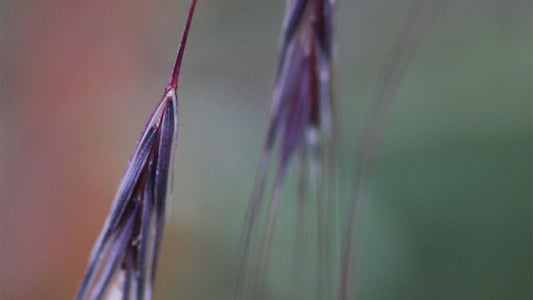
[(173, 80)]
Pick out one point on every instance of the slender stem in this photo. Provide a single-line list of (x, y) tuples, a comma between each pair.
[(370, 136)]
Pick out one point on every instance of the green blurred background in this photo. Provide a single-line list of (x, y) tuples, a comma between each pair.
[(450, 209)]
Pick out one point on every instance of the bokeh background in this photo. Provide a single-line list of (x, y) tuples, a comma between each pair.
[(450, 210)]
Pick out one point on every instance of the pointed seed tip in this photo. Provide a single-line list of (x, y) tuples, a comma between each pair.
[(173, 80)]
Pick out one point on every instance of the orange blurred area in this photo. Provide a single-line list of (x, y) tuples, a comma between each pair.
[(59, 168), (66, 71)]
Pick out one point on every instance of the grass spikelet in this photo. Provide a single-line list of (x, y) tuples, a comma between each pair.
[(300, 124), (123, 261)]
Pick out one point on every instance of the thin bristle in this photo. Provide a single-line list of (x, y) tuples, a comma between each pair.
[(400, 56), (300, 233), (173, 80), (250, 221), (257, 279)]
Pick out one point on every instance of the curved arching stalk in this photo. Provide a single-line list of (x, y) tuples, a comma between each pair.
[(389, 79)]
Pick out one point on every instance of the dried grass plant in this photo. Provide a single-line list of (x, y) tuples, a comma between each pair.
[(125, 256), (301, 131), (301, 123)]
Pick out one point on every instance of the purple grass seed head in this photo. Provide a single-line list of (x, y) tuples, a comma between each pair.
[(123, 262)]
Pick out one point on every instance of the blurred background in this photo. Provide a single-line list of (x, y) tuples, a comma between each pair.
[(450, 210)]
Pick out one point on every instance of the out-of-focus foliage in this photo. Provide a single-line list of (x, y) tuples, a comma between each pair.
[(449, 215)]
